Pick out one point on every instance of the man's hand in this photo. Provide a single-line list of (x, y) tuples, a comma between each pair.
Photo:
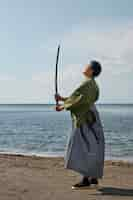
[(59, 108), (59, 98)]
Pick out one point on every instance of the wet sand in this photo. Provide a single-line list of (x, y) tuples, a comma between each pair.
[(36, 178)]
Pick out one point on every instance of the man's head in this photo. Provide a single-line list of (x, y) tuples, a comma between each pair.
[(93, 69)]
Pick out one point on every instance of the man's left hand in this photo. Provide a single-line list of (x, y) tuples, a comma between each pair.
[(59, 108)]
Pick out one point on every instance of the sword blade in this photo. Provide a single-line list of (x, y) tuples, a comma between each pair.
[(56, 72)]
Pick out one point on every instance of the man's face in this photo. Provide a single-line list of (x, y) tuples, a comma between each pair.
[(88, 71)]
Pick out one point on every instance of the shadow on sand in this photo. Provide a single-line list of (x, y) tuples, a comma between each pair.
[(112, 191)]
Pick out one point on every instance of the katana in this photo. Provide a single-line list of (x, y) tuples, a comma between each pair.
[(56, 73)]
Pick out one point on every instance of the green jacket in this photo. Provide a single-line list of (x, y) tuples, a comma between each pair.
[(81, 100)]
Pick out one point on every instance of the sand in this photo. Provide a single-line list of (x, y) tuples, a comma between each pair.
[(36, 178)]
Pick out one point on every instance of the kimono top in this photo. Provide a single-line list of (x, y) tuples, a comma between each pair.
[(80, 102)]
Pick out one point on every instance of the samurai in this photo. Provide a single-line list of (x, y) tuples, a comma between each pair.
[(85, 149)]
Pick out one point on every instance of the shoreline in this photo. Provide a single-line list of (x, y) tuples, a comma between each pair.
[(61, 155), (117, 162)]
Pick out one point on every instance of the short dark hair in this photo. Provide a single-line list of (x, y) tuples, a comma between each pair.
[(97, 68)]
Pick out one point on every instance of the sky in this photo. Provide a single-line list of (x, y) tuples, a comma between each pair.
[(30, 31)]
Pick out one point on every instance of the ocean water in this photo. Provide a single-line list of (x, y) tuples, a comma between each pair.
[(40, 130)]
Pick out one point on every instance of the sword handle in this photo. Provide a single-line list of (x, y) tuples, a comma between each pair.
[(57, 102)]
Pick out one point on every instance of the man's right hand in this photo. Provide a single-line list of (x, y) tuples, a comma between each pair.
[(58, 97)]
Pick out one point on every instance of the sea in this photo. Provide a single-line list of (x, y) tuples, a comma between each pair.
[(41, 131)]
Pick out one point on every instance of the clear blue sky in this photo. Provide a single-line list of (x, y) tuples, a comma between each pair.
[(30, 31)]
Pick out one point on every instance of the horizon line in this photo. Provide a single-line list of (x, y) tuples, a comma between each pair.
[(54, 103)]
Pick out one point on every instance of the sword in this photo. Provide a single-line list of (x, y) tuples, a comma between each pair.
[(56, 73)]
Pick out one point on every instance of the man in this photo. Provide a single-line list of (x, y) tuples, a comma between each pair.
[(85, 151)]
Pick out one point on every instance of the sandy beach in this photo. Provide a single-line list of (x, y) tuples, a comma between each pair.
[(37, 178)]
